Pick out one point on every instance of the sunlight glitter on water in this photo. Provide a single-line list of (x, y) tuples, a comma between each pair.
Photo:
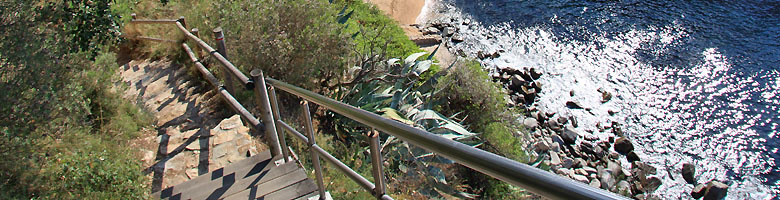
[(699, 114)]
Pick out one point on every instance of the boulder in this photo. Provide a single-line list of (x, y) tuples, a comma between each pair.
[(526, 76), (688, 171), (605, 97), (457, 37), (580, 178), (595, 183), (573, 121), (698, 191), (606, 179), (562, 120), (587, 148), (557, 139), (534, 74), (567, 162), (569, 135), (651, 184), (554, 125), (449, 31), (573, 105), (623, 145), (631, 156), (715, 190), (530, 123), (554, 159), (624, 188), (541, 146), (563, 171), (430, 31), (516, 81)]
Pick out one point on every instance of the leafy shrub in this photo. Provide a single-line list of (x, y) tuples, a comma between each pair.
[(52, 94), (468, 88), (295, 41)]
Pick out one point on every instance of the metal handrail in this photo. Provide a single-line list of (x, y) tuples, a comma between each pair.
[(535, 180)]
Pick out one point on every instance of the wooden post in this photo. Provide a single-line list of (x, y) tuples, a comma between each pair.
[(220, 38), (262, 99), (132, 16), (198, 49), (181, 20)]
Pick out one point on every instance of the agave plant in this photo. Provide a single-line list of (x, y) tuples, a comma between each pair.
[(401, 95)]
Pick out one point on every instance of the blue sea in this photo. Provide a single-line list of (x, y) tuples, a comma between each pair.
[(693, 81)]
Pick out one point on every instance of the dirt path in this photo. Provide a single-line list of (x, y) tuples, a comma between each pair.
[(193, 134)]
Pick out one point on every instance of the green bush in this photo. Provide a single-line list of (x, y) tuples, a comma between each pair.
[(295, 41), (468, 88), (64, 129)]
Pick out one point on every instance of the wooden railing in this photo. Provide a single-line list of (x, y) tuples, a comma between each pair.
[(532, 179)]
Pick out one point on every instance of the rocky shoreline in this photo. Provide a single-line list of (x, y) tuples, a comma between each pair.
[(608, 163)]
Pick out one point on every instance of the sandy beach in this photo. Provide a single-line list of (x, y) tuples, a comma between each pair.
[(404, 11), (411, 12)]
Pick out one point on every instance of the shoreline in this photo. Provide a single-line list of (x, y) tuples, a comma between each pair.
[(411, 16)]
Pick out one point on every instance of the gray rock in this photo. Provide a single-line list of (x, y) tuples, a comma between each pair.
[(567, 162), (449, 31), (563, 171), (534, 74), (554, 159), (573, 121), (579, 162), (624, 188), (631, 156), (716, 190), (623, 145), (516, 81), (430, 31), (580, 178), (614, 167), (651, 184), (698, 191), (555, 147), (557, 139), (457, 37), (606, 179), (574, 105), (562, 120), (581, 171), (688, 171), (528, 90), (569, 135), (530, 123), (571, 93), (595, 183), (541, 146), (645, 168), (605, 96), (554, 125)]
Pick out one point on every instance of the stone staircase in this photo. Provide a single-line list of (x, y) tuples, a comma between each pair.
[(193, 138)]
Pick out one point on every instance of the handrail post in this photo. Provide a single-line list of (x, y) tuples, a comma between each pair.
[(132, 16), (279, 131), (198, 49), (181, 20), (261, 96), (376, 161), (220, 38), (315, 159)]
